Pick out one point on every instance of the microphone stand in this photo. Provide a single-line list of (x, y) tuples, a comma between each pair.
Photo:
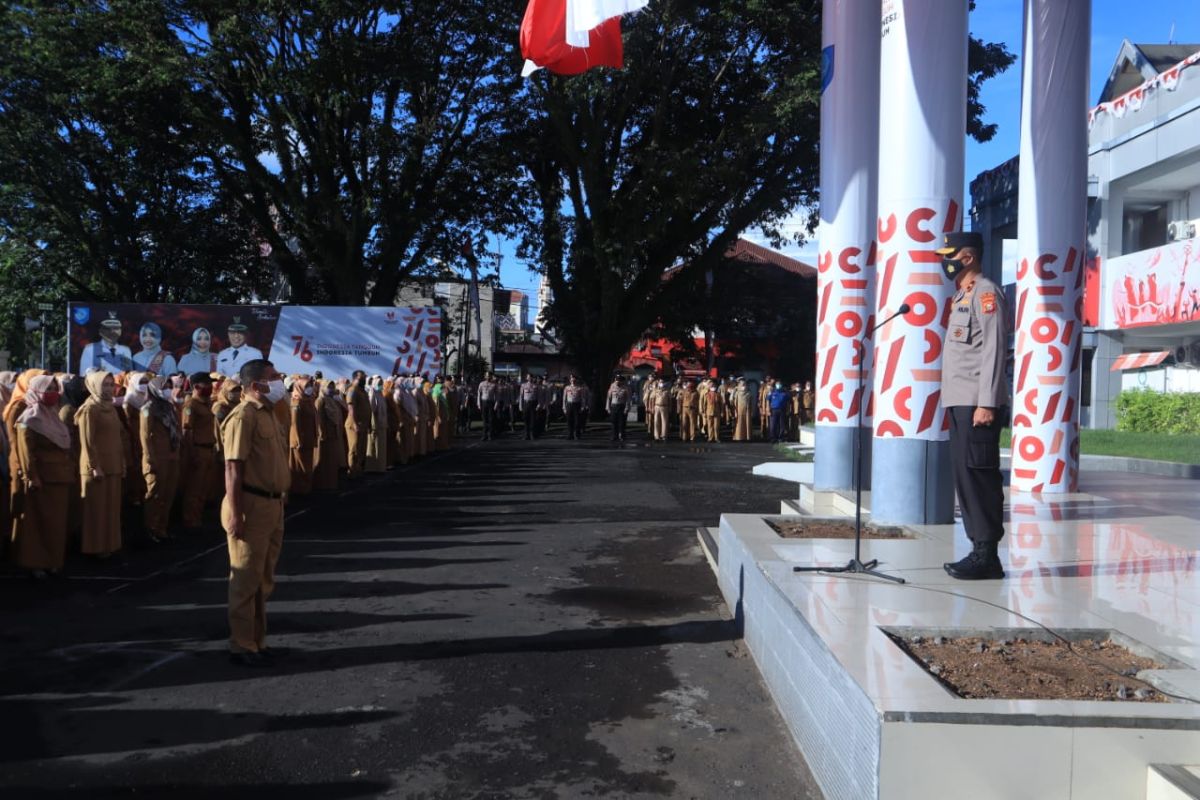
[(856, 564)]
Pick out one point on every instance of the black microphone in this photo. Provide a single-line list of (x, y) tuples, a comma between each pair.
[(904, 309)]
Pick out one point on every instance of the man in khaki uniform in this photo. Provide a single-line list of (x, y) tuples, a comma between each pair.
[(714, 408), (358, 423), (199, 438), (661, 399), (689, 411), (256, 479)]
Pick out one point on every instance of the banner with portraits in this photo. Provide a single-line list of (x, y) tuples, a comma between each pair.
[(334, 340)]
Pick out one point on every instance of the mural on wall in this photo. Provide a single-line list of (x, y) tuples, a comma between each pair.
[(1160, 286)]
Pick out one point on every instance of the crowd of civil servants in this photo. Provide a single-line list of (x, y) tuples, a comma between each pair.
[(100, 459)]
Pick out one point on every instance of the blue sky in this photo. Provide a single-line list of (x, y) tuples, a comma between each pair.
[(1000, 20)]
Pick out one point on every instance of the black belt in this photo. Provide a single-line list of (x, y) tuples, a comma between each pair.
[(254, 490)]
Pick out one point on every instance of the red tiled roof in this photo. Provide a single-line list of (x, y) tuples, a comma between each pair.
[(743, 250)]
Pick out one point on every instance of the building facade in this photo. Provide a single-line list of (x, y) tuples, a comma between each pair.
[(1142, 293)]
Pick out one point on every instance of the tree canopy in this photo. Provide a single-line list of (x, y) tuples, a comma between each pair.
[(329, 151)]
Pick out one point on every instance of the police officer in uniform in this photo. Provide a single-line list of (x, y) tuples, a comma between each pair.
[(975, 392), (488, 398), (256, 479), (573, 409), (617, 403)]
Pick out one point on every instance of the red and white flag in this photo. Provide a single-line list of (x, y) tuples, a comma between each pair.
[(569, 37)]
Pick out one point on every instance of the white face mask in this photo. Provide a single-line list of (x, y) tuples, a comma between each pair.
[(308, 391), (140, 388), (275, 391)]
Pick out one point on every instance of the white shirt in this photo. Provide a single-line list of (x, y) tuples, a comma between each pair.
[(103, 356), (230, 360)]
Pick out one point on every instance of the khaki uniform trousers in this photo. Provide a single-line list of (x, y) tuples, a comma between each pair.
[(687, 426), (199, 469), (741, 431), (713, 423), (661, 418), (252, 561), (160, 496)]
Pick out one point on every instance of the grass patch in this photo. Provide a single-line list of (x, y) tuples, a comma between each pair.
[(788, 454), (1178, 448)]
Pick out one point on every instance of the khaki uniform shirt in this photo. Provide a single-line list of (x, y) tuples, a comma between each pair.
[(976, 348), (251, 435), (198, 422)]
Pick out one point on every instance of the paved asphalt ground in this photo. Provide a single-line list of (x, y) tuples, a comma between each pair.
[(508, 619)]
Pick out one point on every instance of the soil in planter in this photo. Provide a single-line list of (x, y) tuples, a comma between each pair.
[(832, 529), (1024, 669)]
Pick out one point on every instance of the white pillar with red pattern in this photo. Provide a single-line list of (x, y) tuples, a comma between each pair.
[(1052, 232)]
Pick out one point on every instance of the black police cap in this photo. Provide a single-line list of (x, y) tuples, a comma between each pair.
[(957, 240)]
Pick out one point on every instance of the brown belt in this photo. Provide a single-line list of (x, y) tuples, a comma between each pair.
[(254, 490)]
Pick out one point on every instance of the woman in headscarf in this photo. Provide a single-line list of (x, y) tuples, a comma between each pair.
[(161, 438), (409, 416), (303, 439), (442, 424), (331, 439), (228, 397), (73, 395), (404, 420), (101, 466), (393, 426), (428, 415), (12, 410), (152, 358), (43, 449), (200, 358), (137, 394), (8, 381), (376, 460)]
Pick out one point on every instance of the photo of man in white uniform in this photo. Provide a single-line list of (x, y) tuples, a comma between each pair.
[(230, 360)]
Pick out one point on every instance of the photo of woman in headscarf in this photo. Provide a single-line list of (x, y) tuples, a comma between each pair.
[(200, 358), (152, 358)]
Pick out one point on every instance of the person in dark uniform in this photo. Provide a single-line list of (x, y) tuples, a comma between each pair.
[(488, 395), (975, 392), (573, 409), (617, 403)]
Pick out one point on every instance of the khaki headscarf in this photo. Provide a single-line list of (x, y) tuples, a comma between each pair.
[(39, 418), (94, 381)]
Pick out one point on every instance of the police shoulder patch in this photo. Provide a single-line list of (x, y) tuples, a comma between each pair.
[(987, 302)]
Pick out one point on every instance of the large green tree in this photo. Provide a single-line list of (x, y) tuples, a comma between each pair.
[(710, 130), (104, 190), (365, 138)]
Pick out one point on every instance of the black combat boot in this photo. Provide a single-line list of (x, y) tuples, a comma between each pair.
[(981, 564)]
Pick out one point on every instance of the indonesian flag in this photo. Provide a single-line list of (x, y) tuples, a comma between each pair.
[(569, 37)]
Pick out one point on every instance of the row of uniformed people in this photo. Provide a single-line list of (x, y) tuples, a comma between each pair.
[(79, 454), (702, 409)]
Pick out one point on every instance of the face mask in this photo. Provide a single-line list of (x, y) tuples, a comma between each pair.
[(952, 267), (308, 391), (50, 398), (141, 388), (275, 391), (779, 386)]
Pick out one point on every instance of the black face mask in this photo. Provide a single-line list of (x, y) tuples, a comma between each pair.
[(952, 267)]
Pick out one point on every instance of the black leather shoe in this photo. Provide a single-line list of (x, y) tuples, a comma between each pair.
[(977, 566), (254, 660)]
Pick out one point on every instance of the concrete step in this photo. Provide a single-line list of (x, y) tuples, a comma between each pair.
[(1172, 782), (790, 508), (708, 538)]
